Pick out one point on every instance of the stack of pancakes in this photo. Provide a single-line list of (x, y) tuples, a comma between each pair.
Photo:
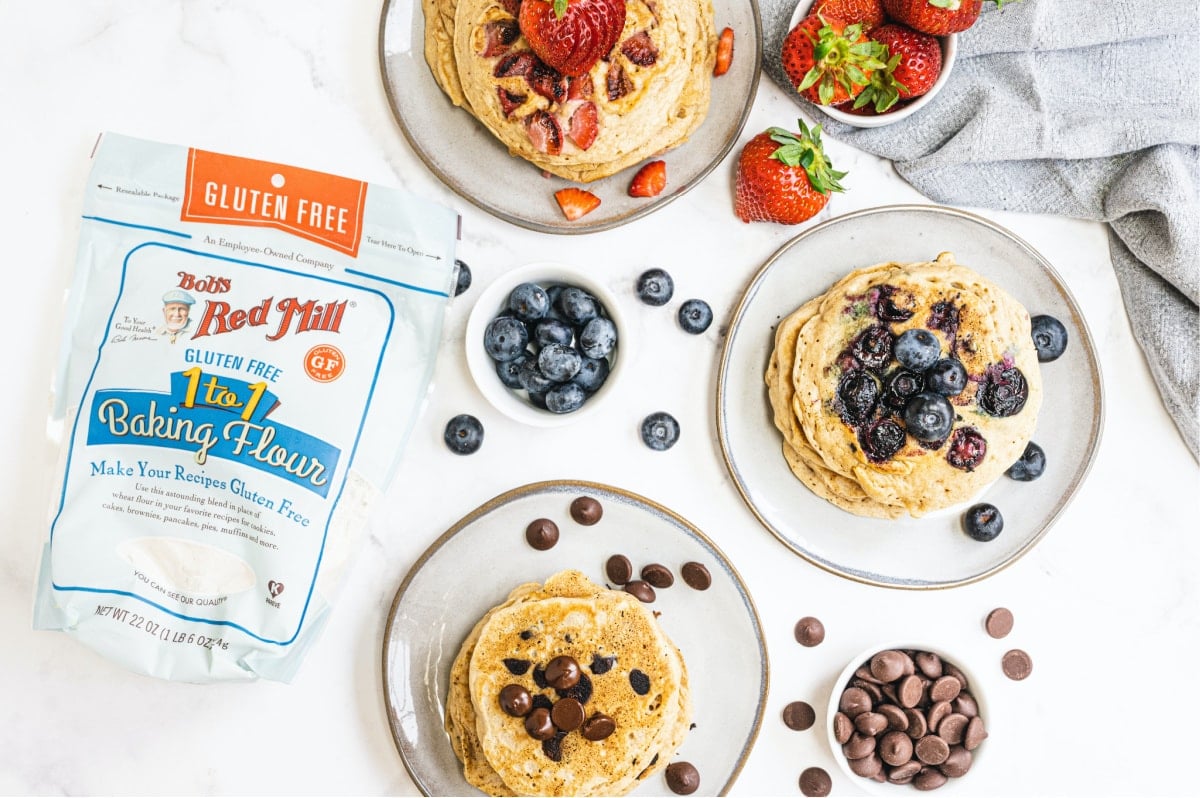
[(644, 106), (803, 374), (611, 635)]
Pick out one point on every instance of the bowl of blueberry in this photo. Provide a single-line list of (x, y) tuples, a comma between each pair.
[(543, 343)]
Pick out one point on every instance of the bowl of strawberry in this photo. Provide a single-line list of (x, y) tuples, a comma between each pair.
[(869, 63)]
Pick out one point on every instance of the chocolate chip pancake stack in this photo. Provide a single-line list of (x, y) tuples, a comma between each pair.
[(881, 437), (566, 688)]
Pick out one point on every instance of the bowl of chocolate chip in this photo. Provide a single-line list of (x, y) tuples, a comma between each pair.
[(907, 716)]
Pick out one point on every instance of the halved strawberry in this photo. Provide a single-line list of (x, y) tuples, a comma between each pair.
[(546, 81), (498, 36), (650, 180), (868, 12), (616, 83), (513, 65), (914, 63), (509, 100), (572, 36), (784, 177), (935, 17), (640, 49), (724, 52), (584, 125), (828, 61), (575, 202), (544, 132)]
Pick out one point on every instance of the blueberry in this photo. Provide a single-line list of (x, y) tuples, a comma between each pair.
[(859, 394), (592, 374), (577, 306), (886, 308), (873, 347), (463, 278), (538, 400), (598, 338), (928, 417), (983, 522), (509, 371), (660, 431), (464, 434), (947, 377), (916, 349), (880, 441), (1049, 337), (529, 302), (967, 449), (1030, 466), (1003, 392), (532, 379), (552, 331), (565, 398), (944, 316), (505, 338), (900, 386), (558, 362), (655, 287), (694, 316)]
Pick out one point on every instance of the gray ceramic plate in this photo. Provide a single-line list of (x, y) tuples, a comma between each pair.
[(474, 565), (472, 162), (930, 552)]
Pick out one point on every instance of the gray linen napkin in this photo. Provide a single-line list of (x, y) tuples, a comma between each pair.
[(1083, 109)]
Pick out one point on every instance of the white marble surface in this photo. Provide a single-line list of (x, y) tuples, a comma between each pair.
[(1107, 604)]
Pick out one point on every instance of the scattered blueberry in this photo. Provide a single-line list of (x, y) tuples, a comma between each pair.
[(655, 287), (694, 316), (1049, 337), (565, 398), (464, 434), (947, 377), (559, 362), (1030, 466), (928, 417), (967, 449), (859, 394), (1003, 392), (873, 347), (983, 522), (660, 431), (592, 374), (577, 306), (916, 349), (509, 371), (463, 277), (529, 302), (552, 331), (505, 338)]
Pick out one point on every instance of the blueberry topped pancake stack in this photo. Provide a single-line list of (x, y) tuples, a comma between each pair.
[(566, 688), (905, 388)]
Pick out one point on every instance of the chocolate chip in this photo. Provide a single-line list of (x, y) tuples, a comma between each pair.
[(868, 767), (658, 576), (515, 700), (863, 674), (946, 688), (950, 670), (586, 510), (903, 774), (929, 664), (581, 691), (562, 672), (542, 534), (602, 665), (526, 634), (619, 569), (999, 622), (859, 746), (542, 702), (539, 677), (597, 727), (854, 702), (918, 726), (809, 631), (639, 681), (965, 705), (696, 575), (936, 713), (975, 734), (953, 728), (538, 724), (872, 688), (929, 779), (895, 748), (567, 714), (683, 778), (843, 727), (517, 667), (552, 747), (870, 723), (815, 782), (932, 750), (910, 691), (888, 666), (897, 720), (799, 716), (1017, 664), (642, 591), (957, 763)]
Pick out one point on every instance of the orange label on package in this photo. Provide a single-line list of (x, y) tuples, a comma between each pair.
[(225, 189)]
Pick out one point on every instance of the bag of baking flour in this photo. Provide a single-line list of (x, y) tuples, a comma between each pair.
[(246, 349)]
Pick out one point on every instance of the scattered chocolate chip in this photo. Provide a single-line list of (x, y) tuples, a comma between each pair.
[(658, 576), (602, 665), (999, 622), (639, 681), (597, 727), (542, 534), (619, 569), (815, 782), (809, 631), (1017, 664), (682, 778), (799, 716), (552, 747), (562, 672), (586, 510), (542, 702), (567, 714), (696, 575), (517, 667), (539, 677), (538, 724), (581, 691), (515, 700), (640, 590)]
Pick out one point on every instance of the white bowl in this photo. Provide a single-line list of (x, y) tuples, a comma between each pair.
[(949, 55), (954, 785), (494, 299)]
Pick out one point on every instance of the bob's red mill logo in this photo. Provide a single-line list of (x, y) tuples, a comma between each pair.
[(226, 189)]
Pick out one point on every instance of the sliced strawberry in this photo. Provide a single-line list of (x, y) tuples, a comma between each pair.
[(515, 65), (498, 36), (572, 35), (509, 100), (616, 83), (584, 125), (546, 81), (640, 50), (575, 202), (544, 132), (724, 53), (650, 180), (580, 87)]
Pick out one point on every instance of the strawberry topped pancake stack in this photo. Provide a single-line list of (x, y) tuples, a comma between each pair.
[(580, 88)]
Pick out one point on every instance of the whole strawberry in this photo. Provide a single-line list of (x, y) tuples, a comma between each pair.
[(935, 17), (784, 177), (828, 61), (914, 63), (868, 12), (571, 36)]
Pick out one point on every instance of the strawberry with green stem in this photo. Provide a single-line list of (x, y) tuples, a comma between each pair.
[(828, 61), (571, 36), (784, 177), (913, 66)]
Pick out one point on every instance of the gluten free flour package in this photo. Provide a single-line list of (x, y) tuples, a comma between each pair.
[(247, 347)]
